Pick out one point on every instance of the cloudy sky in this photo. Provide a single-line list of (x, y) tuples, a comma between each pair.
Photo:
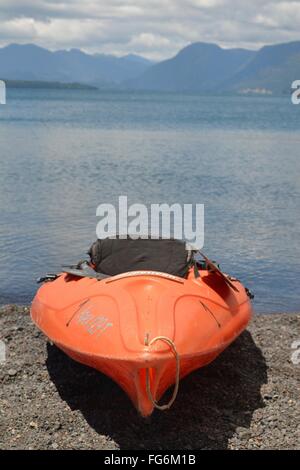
[(154, 28)]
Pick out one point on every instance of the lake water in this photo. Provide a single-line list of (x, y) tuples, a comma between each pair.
[(62, 153)]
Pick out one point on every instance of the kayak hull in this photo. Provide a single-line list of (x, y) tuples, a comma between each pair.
[(110, 325)]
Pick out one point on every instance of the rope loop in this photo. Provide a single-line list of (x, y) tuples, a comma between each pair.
[(168, 341)]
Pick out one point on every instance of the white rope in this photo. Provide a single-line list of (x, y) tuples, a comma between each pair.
[(148, 389)]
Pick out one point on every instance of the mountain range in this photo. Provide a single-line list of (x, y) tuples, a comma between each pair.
[(199, 67), (206, 67), (30, 62)]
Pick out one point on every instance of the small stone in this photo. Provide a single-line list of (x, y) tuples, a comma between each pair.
[(33, 424), (57, 426), (267, 396), (12, 372), (54, 445), (244, 433)]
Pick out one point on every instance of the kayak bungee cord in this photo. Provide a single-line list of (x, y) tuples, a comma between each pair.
[(209, 311)]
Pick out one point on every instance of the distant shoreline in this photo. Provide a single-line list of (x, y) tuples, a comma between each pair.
[(46, 85)]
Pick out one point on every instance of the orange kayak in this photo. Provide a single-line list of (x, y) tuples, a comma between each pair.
[(146, 330)]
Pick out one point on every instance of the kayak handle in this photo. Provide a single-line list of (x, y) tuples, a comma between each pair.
[(167, 340)]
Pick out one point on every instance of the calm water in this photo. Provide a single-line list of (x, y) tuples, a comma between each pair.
[(65, 152)]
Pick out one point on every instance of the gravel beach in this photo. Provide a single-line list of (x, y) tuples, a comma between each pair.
[(249, 398)]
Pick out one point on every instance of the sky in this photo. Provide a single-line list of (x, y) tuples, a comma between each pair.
[(156, 29)]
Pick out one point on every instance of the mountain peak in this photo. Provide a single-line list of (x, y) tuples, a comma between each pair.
[(197, 47), (28, 46), (137, 58)]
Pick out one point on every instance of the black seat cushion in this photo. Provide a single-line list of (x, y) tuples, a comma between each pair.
[(116, 256)]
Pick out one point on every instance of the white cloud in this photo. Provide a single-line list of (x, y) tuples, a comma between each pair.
[(18, 28), (266, 21), (149, 40), (155, 28), (206, 3)]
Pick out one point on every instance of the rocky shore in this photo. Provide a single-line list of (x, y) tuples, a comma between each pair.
[(249, 398)]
